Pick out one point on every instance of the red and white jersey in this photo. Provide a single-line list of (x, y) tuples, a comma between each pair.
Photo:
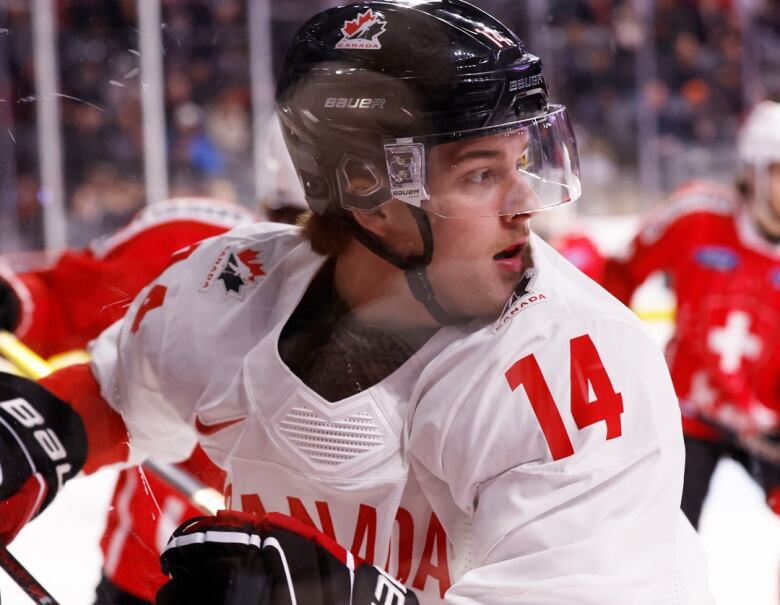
[(536, 459), (724, 356), (69, 303), (66, 305)]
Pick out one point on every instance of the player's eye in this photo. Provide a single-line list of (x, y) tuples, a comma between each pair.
[(480, 177)]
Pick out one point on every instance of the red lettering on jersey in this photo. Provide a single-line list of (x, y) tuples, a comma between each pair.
[(365, 530), (526, 372), (251, 503), (298, 510), (214, 268), (588, 370), (405, 543), (153, 299), (435, 539)]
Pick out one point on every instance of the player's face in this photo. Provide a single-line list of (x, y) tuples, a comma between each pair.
[(774, 189), (767, 200), (478, 261)]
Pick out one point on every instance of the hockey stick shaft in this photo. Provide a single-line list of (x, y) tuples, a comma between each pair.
[(759, 446), (24, 579), (20, 355), (204, 498)]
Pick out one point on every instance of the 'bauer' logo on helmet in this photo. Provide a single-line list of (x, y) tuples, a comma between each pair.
[(363, 31)]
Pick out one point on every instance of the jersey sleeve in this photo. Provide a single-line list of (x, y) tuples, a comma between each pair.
[(131, 362), (662, 237), (559, 467)]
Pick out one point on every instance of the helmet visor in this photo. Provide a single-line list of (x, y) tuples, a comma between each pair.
[(516, 168)]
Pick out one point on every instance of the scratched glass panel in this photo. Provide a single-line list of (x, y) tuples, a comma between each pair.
[(656, 91)]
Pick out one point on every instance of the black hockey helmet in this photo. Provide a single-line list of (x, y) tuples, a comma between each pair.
[(367, 89)]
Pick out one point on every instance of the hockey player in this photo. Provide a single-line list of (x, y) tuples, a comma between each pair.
[(720, 246), (413, 373), (62, 307)]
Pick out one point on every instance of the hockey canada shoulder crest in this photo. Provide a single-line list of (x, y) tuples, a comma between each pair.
[(522, 297), (236, 269)]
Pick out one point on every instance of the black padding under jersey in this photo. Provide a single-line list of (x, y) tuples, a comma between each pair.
[(332, 352)]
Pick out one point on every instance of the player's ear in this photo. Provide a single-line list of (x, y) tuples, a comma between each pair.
[(394, 224), (375, 221)]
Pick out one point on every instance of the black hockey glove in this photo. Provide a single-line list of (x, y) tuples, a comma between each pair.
[(10, 308), (235, 558), (42, 444)]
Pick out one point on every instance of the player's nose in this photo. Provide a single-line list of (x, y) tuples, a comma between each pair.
[(520, 198)]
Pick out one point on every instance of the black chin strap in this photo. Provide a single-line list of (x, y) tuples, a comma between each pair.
[(414, 267)]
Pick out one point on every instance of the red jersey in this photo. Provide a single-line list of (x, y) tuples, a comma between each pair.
[(66, 305), (724, 355), (582, 252)]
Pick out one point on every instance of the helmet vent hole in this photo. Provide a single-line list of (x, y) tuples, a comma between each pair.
[(313, 185), (360, 177)]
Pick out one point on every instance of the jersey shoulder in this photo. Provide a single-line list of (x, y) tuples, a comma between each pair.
[(696, 204), (181, 348), (175, 214), (214, 285), (512, 387), (239, 259)]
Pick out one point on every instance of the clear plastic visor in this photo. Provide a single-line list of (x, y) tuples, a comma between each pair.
[(516, 168)]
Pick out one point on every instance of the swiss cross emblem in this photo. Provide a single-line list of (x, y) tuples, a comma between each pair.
[(363, 31), (734, 341), (737, 332), (235, 270)]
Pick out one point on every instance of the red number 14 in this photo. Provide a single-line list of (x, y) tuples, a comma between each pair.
[(586, 371)]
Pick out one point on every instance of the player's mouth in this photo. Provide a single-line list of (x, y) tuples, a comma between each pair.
[(511, 257)]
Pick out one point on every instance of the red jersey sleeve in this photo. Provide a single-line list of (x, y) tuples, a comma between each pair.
[(107, 438), (622, 276), (659, 242)]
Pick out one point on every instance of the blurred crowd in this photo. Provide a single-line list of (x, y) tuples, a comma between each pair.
[(207, 104), (672, 78), (680, 72)]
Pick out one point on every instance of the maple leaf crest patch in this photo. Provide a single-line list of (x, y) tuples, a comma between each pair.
[(236, 270), (363, 31), (521, 298)]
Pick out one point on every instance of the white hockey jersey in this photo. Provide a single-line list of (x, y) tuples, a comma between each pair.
[(534, 460)]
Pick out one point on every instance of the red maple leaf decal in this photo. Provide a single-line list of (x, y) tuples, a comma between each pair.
[(351, 27), (251, 262)]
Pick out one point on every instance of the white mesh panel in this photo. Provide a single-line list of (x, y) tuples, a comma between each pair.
[(327, 442)]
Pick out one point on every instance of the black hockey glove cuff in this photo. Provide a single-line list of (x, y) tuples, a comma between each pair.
[(43, 443), (235, 558), (10, 307)]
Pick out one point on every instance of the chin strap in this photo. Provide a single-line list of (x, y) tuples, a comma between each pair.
[(414, 267)]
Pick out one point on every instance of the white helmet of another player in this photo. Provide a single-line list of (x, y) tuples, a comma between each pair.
[(759, 139), (759, 153), (284, 190)]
